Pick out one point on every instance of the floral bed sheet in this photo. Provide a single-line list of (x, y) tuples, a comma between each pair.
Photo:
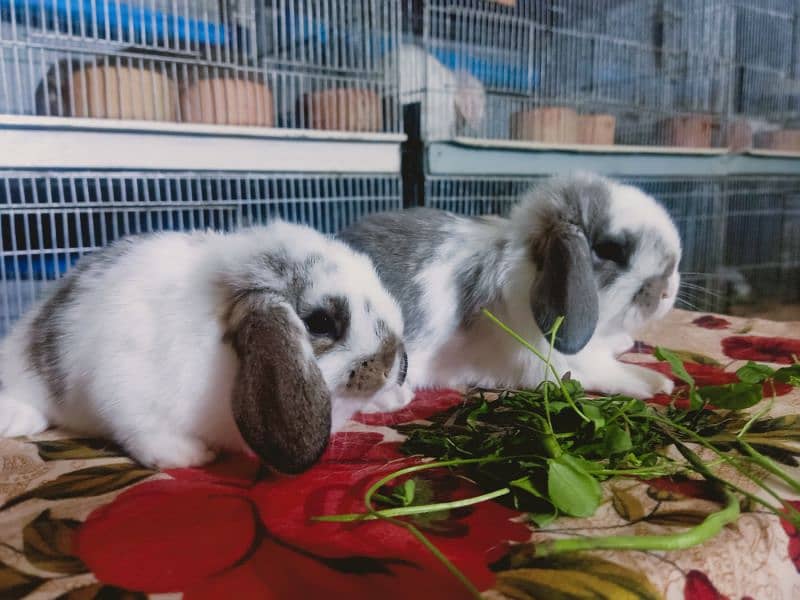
[(80, 520)]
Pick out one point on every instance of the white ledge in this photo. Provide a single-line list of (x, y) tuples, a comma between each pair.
[(469, 157), (71, 143)]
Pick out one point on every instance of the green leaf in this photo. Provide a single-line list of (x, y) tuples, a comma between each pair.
[(91, 481), (409, 488), (543, 519), (572, 490), (626, 505), (525, 483), (790, 375), (617, 440), (573, 577), (732, 396), (77, 448), (676, 365), (754, 373), (573, 386), (48, 544), (16, 584), (591, 410), (695, 400), (472, 417)]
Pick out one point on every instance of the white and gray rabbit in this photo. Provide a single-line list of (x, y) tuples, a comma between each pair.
[(455, 100), (602, 254), (176, 345)]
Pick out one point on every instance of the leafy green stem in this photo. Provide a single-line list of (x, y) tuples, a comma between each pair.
[(791, 513), (431, 547), (766, 463), (756, 416), (404, 511), (421, 537), (541, 357), (710, 527)]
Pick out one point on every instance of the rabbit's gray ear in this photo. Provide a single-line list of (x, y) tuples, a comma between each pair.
[(565, 286), (281, 403)]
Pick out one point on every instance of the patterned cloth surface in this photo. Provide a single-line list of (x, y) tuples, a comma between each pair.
[(80, 520)]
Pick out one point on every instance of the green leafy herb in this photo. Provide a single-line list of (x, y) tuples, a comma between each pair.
[(754, 373), (572, 490), (790, 375), (675, 363), (733, 396), (547, 450)]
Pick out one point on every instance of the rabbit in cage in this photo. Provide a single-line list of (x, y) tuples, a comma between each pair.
[(603, 255), (456, 100), (179, 344)]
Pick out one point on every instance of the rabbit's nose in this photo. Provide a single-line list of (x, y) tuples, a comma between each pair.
[(371, 373)]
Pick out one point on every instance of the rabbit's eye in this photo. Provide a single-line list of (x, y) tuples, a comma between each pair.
[(319, 322), (611, 250)]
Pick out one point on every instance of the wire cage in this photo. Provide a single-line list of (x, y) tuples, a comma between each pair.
[(741, 236), (272, 63), (762, 238), (49, 219), (767, 72), (634, 72)]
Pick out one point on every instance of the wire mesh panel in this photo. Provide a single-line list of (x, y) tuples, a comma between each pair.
[(762, 236), (571, 71), (285, 63), (50, 219), (475, 196), (767, 92)]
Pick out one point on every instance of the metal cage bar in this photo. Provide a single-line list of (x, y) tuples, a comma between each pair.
[(767, 60), (271, 63), (645, 72), (49, 219), (683, 73)]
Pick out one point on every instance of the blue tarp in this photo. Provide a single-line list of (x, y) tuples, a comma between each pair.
[(112, 20)]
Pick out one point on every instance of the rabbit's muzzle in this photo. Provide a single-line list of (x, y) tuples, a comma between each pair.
[(371, 373)]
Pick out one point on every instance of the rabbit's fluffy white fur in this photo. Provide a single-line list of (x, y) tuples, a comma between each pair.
[(152, 340), (455, 100), (602, 254)]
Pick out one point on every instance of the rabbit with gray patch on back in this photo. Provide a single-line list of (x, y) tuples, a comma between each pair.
[(176, 345), (456, 99), (602, 254)]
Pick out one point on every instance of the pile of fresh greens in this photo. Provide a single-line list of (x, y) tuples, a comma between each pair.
[(552, 453), (546, 451)]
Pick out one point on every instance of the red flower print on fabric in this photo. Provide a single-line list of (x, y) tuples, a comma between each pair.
[(233, 530), (762, 349), (711, 322)]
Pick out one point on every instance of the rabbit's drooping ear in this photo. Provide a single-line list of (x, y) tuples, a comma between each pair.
[(565, 286), (281, 403)]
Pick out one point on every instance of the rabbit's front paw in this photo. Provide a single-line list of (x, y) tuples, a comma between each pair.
[(169, 451), (390, 400), (645, 383), (18, 418)]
